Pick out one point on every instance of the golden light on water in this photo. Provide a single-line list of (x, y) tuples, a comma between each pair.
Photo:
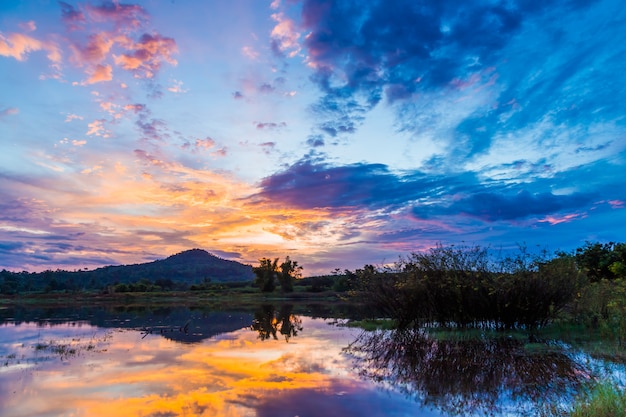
[(123, 373)]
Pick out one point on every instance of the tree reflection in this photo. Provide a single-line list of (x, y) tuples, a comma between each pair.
[(269, 322), (471, 376)]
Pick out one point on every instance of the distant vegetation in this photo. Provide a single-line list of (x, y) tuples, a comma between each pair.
[(186, 270), (445, 286)]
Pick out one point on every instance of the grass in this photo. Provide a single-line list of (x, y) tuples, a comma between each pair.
[(222, 298), (605, 399), (372, 324)]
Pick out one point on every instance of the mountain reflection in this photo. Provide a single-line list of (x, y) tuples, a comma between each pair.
[(475, 375), (269, 322)]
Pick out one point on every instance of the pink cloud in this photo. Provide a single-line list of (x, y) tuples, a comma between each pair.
[(145, 57), (94, 52), (100, 73), (135, 108), (616, 204), (177, 87), (29, 26), (9, 111), (18, 46), (72, 116), (249, 52), (560, 219), (122, 15), (205, 143), (97, 128), (220, 152), (110, 30), (284, 35)]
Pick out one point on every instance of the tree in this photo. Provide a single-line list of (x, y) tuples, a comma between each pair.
[(289, 270), (596, 258), (266, 274)]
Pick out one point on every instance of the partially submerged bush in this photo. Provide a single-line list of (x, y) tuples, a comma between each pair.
[(464, 286)]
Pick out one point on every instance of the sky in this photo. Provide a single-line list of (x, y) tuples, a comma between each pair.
[(339, 133)]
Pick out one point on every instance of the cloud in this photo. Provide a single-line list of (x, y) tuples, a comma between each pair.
[(408, 52), (145, 57), (177, 87), (8, 111), (314, 184), (249, 52), (201, 145), (18, 46), (269, 125), (310, 184), (285, 36), (266, 88), (29, 26), (94, 52), (97, 128), (496, 206), (71, 116), (72, 17), (100, 73), (122, 15), (111, 29)]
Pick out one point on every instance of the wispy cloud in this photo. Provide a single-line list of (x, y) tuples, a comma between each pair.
[(8, 111)]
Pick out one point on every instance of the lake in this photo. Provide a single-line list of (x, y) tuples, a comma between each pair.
[(273, 360)]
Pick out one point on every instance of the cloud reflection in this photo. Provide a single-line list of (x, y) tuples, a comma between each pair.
[(234, 374)]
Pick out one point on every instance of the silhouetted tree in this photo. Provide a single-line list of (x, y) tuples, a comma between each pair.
[(266, 274), (289, 270)]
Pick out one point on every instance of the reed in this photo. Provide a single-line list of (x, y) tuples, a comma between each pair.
[(604, 400)]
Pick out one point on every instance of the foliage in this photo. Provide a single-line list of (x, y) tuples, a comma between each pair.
[(266, 274), (176, 272), (602, 260), (269, 322), (269, 273), (289, 270), (604, 399), (465, 286), (465, 376)]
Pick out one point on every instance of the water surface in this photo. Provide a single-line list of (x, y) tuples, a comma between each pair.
[(269, 362)]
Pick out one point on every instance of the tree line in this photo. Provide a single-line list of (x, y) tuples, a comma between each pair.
[(473, 287)]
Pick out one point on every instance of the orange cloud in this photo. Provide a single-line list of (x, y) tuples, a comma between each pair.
[(18, 46), (97, 128), (145, 57), (177, 87), (100, 73)]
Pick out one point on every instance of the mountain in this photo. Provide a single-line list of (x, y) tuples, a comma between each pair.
[(179, 271), (189, 267)]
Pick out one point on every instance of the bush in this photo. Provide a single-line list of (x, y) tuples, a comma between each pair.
[(463, 286)]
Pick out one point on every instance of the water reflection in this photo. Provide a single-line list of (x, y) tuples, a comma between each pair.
[(269, 322), (476, 375), (129, 373), (157, 362)]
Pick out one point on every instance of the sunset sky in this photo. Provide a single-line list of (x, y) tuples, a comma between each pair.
[(339, 133)]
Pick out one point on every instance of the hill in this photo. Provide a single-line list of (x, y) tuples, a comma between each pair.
[(178, 271), (188, 267)]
